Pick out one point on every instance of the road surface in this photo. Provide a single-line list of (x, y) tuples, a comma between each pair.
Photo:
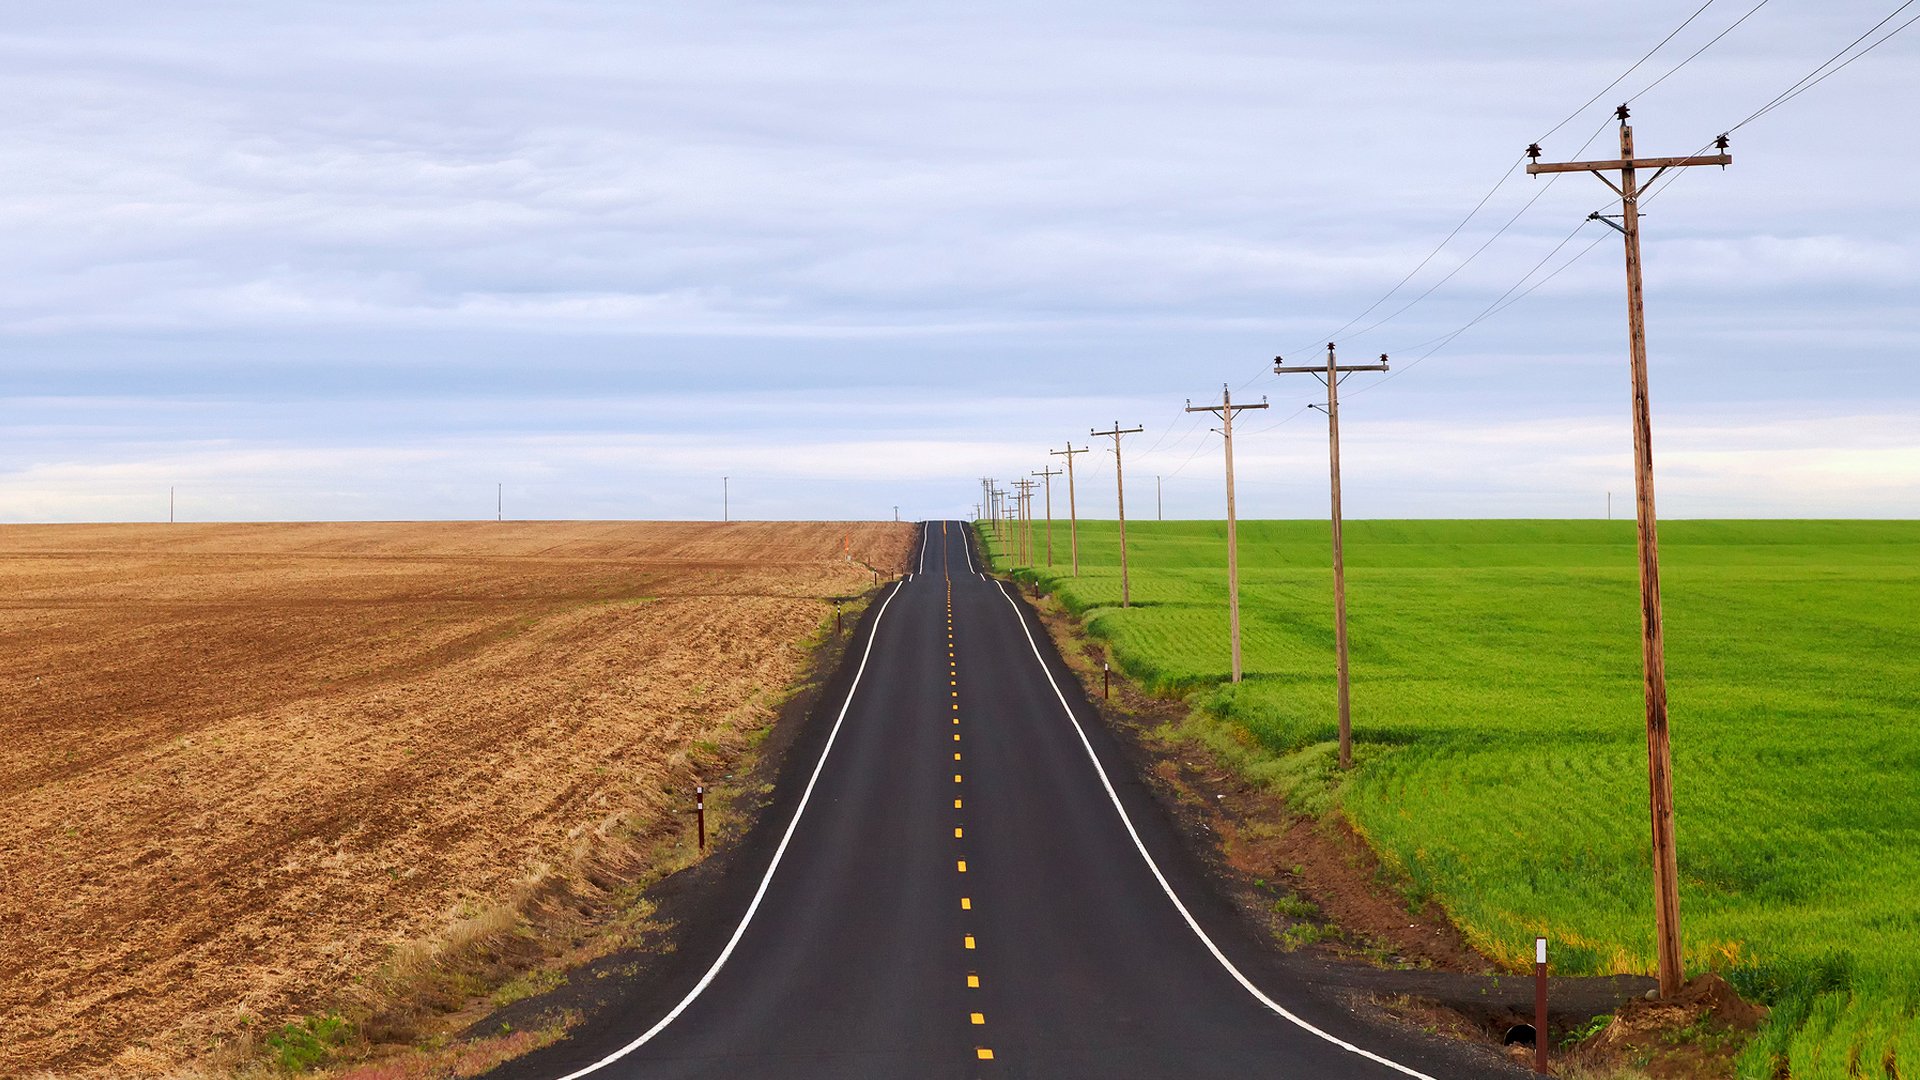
[(971, 884)]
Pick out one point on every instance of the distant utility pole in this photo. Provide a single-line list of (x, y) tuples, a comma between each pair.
[(1048, 475), (1073, 511), (1609, 506), (1160, 506), (1653, 653), (1120, 491), (1225, 411), (896, 513), (726, 499), (1026, 518), (499, 502), (1331, 375), (986, 485)]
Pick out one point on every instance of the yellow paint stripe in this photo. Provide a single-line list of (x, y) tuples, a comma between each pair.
[(956, 778), (956, 832), (979, 1018), (956, 755), (973, 981), (969, 941), (956, 804), (966, 903), (983, 1054), (956, 736), (963, 865)]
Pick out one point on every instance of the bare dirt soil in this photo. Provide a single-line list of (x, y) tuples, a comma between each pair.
[(246, 765)]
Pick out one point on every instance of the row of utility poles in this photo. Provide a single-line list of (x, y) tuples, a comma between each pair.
[(1629, 187)]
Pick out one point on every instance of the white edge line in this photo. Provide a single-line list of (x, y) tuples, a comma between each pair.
[(967, 549), (1192, 924), (923, 548), (739, 931)]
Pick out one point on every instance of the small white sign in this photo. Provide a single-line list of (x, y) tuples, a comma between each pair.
[(1539, 950)]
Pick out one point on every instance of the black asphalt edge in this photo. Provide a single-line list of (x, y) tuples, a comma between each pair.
[(1188, 856), (620, 995)]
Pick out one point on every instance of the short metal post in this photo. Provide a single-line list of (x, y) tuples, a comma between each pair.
[(700, 813), (1540, 1004), (1106, 680), (836, 619)]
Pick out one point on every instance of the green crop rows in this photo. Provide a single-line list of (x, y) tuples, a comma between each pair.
[(1500, 740)]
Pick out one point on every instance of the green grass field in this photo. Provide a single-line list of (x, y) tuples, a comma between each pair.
[(1500, 739)]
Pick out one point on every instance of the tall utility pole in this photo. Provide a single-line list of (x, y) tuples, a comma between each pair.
[(499, 502), (1120, 491), (896, 513), (1225, 411), (986, 485), (1023, 502), (1160, 506), (1666, 873), (1073, 511), (1048, 475), (1331, 375), (726, 499)]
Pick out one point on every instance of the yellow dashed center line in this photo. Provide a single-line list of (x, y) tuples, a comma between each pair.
[(969, 941), (983, 1054), (963, 865), (966, 904), (979, 1018), (956, 832), (973, 981)]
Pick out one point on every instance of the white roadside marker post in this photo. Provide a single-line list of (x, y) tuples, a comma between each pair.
[(1540, 1004)]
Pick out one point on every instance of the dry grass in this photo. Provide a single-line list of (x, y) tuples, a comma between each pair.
[(257, 771)]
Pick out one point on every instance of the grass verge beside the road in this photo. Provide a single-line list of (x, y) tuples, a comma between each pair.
[(1501, 748)]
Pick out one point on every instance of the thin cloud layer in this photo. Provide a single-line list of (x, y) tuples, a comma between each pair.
[(517, 235)]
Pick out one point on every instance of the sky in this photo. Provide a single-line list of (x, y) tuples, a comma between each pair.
[(425, 260)]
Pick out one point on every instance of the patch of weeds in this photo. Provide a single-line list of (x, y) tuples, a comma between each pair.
[(1296, 907), (300, 1046), (528, 984), (1587, 1031), (1301, 935)]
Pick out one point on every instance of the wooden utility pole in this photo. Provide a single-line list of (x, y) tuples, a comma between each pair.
[(1331, 375), (1159, 503), (1073, 511), (1225, 411), (1023, 512), (1666, 872), (1048, 475), (1120, 490)]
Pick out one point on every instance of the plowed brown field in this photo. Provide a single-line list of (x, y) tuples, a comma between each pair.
[(241, 764)]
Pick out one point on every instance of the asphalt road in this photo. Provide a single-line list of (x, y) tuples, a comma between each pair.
[(973, 885)]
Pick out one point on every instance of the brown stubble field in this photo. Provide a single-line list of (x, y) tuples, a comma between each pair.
[(243, 764)]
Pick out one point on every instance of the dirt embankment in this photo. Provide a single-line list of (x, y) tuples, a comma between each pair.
[(247, 763)]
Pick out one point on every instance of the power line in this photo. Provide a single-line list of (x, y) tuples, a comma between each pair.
[(1690, 58), (1623, 75), (1501, 182), (1802, 85)]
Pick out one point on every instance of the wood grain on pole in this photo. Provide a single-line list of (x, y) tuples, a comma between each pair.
[(1659, 751), (1653, 651), (1339, 566)]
